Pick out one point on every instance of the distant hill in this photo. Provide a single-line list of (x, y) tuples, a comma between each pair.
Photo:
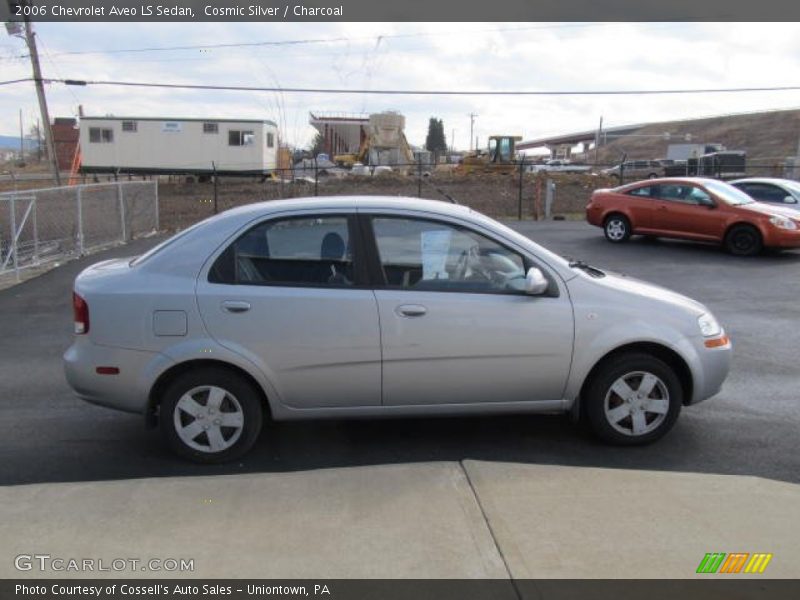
[(767, 137), (10, 142)]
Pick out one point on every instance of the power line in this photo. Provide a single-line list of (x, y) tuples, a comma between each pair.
[(12, 81), (241, 88), (396, 92), (324, 40)]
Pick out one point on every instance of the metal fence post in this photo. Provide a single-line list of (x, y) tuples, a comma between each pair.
[(316, 177), (419, 175), (122, 212), (35, 232), (519, 199), (13, 220), (158, 216), (80, 221), (214, 170)]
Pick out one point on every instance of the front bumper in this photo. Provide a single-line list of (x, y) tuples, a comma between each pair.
[(782, 238), (711, 367)]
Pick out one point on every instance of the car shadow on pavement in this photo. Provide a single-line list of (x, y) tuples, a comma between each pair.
[(125, 450)]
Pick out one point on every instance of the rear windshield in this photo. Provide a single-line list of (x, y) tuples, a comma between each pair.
[(153, 251)]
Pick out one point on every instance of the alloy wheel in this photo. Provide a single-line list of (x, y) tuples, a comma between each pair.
[(616, 229), (637, 403), (208, 419)]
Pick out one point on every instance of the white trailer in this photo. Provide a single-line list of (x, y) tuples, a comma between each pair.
[(151, 145)]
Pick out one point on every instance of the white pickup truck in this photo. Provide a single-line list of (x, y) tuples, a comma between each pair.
[(556, 165)]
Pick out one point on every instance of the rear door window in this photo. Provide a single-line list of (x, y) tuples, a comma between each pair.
[(296, 251)]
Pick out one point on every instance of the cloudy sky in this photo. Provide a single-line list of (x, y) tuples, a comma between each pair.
[(442, 56)]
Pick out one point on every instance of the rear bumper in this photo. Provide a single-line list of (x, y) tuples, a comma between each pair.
[(594, 215), (126, 391)]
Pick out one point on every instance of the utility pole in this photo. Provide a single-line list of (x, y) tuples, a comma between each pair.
[(30, 39), (38, 141), (471, 129), (21, 140)]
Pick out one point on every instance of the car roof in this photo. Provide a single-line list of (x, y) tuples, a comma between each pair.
[(697, 180), (775, 180), (348, 202)]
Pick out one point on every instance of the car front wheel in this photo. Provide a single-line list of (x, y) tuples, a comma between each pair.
[(617, 229), (210, 415), (633, 399), (743, 240)]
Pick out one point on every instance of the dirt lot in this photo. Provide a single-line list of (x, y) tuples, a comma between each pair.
[(182, 204)]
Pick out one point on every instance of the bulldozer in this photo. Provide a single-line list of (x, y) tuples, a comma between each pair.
[(500, 157)]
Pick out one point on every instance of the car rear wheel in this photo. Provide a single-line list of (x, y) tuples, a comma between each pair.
[(633, 399), (211, 415), (617, 229), (743, 240)]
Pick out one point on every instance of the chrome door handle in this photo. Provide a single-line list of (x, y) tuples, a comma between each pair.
[(411, 310), (236, 306)]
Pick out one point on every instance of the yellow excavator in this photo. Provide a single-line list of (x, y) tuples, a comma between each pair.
[(500, 157)]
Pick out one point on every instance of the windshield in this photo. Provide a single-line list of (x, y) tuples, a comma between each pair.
[(727, 193), (793, 187)]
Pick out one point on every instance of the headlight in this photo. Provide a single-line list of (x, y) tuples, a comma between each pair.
[(708, 325), (783, 223)]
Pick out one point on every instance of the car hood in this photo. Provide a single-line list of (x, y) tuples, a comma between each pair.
[(648, 292)]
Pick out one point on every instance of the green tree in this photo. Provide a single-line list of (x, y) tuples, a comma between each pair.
[(435, 141)]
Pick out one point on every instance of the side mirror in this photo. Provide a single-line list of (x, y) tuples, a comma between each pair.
[(790, 200), (536, 283)]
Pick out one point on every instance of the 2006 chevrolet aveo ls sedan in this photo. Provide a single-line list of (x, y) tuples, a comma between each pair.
[(362, 307)]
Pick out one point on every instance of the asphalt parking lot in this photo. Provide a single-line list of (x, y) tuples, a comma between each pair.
[(750, 428)]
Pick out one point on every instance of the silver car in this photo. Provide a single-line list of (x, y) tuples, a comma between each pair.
[(368, 307), (785, 192)]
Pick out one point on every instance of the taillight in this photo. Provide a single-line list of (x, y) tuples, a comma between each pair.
[(80, 310)]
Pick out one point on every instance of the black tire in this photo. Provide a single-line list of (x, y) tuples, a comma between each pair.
[(653, 176), (629, 366), (238, 391), (743, 240), (617, 229)]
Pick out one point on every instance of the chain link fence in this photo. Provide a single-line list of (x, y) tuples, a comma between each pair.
[(44, 225), (510, 196)]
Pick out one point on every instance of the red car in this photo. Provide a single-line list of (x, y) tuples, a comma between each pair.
[(705, 210)]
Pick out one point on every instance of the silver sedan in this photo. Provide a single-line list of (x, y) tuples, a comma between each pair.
[(371, 307)]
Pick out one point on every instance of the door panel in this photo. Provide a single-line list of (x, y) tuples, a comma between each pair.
[(679, 212), (321, 347), (471, 348), (291, 295)]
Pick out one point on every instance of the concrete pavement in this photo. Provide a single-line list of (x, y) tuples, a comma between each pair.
[(568, 522), (468, 519), (371, 522)]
